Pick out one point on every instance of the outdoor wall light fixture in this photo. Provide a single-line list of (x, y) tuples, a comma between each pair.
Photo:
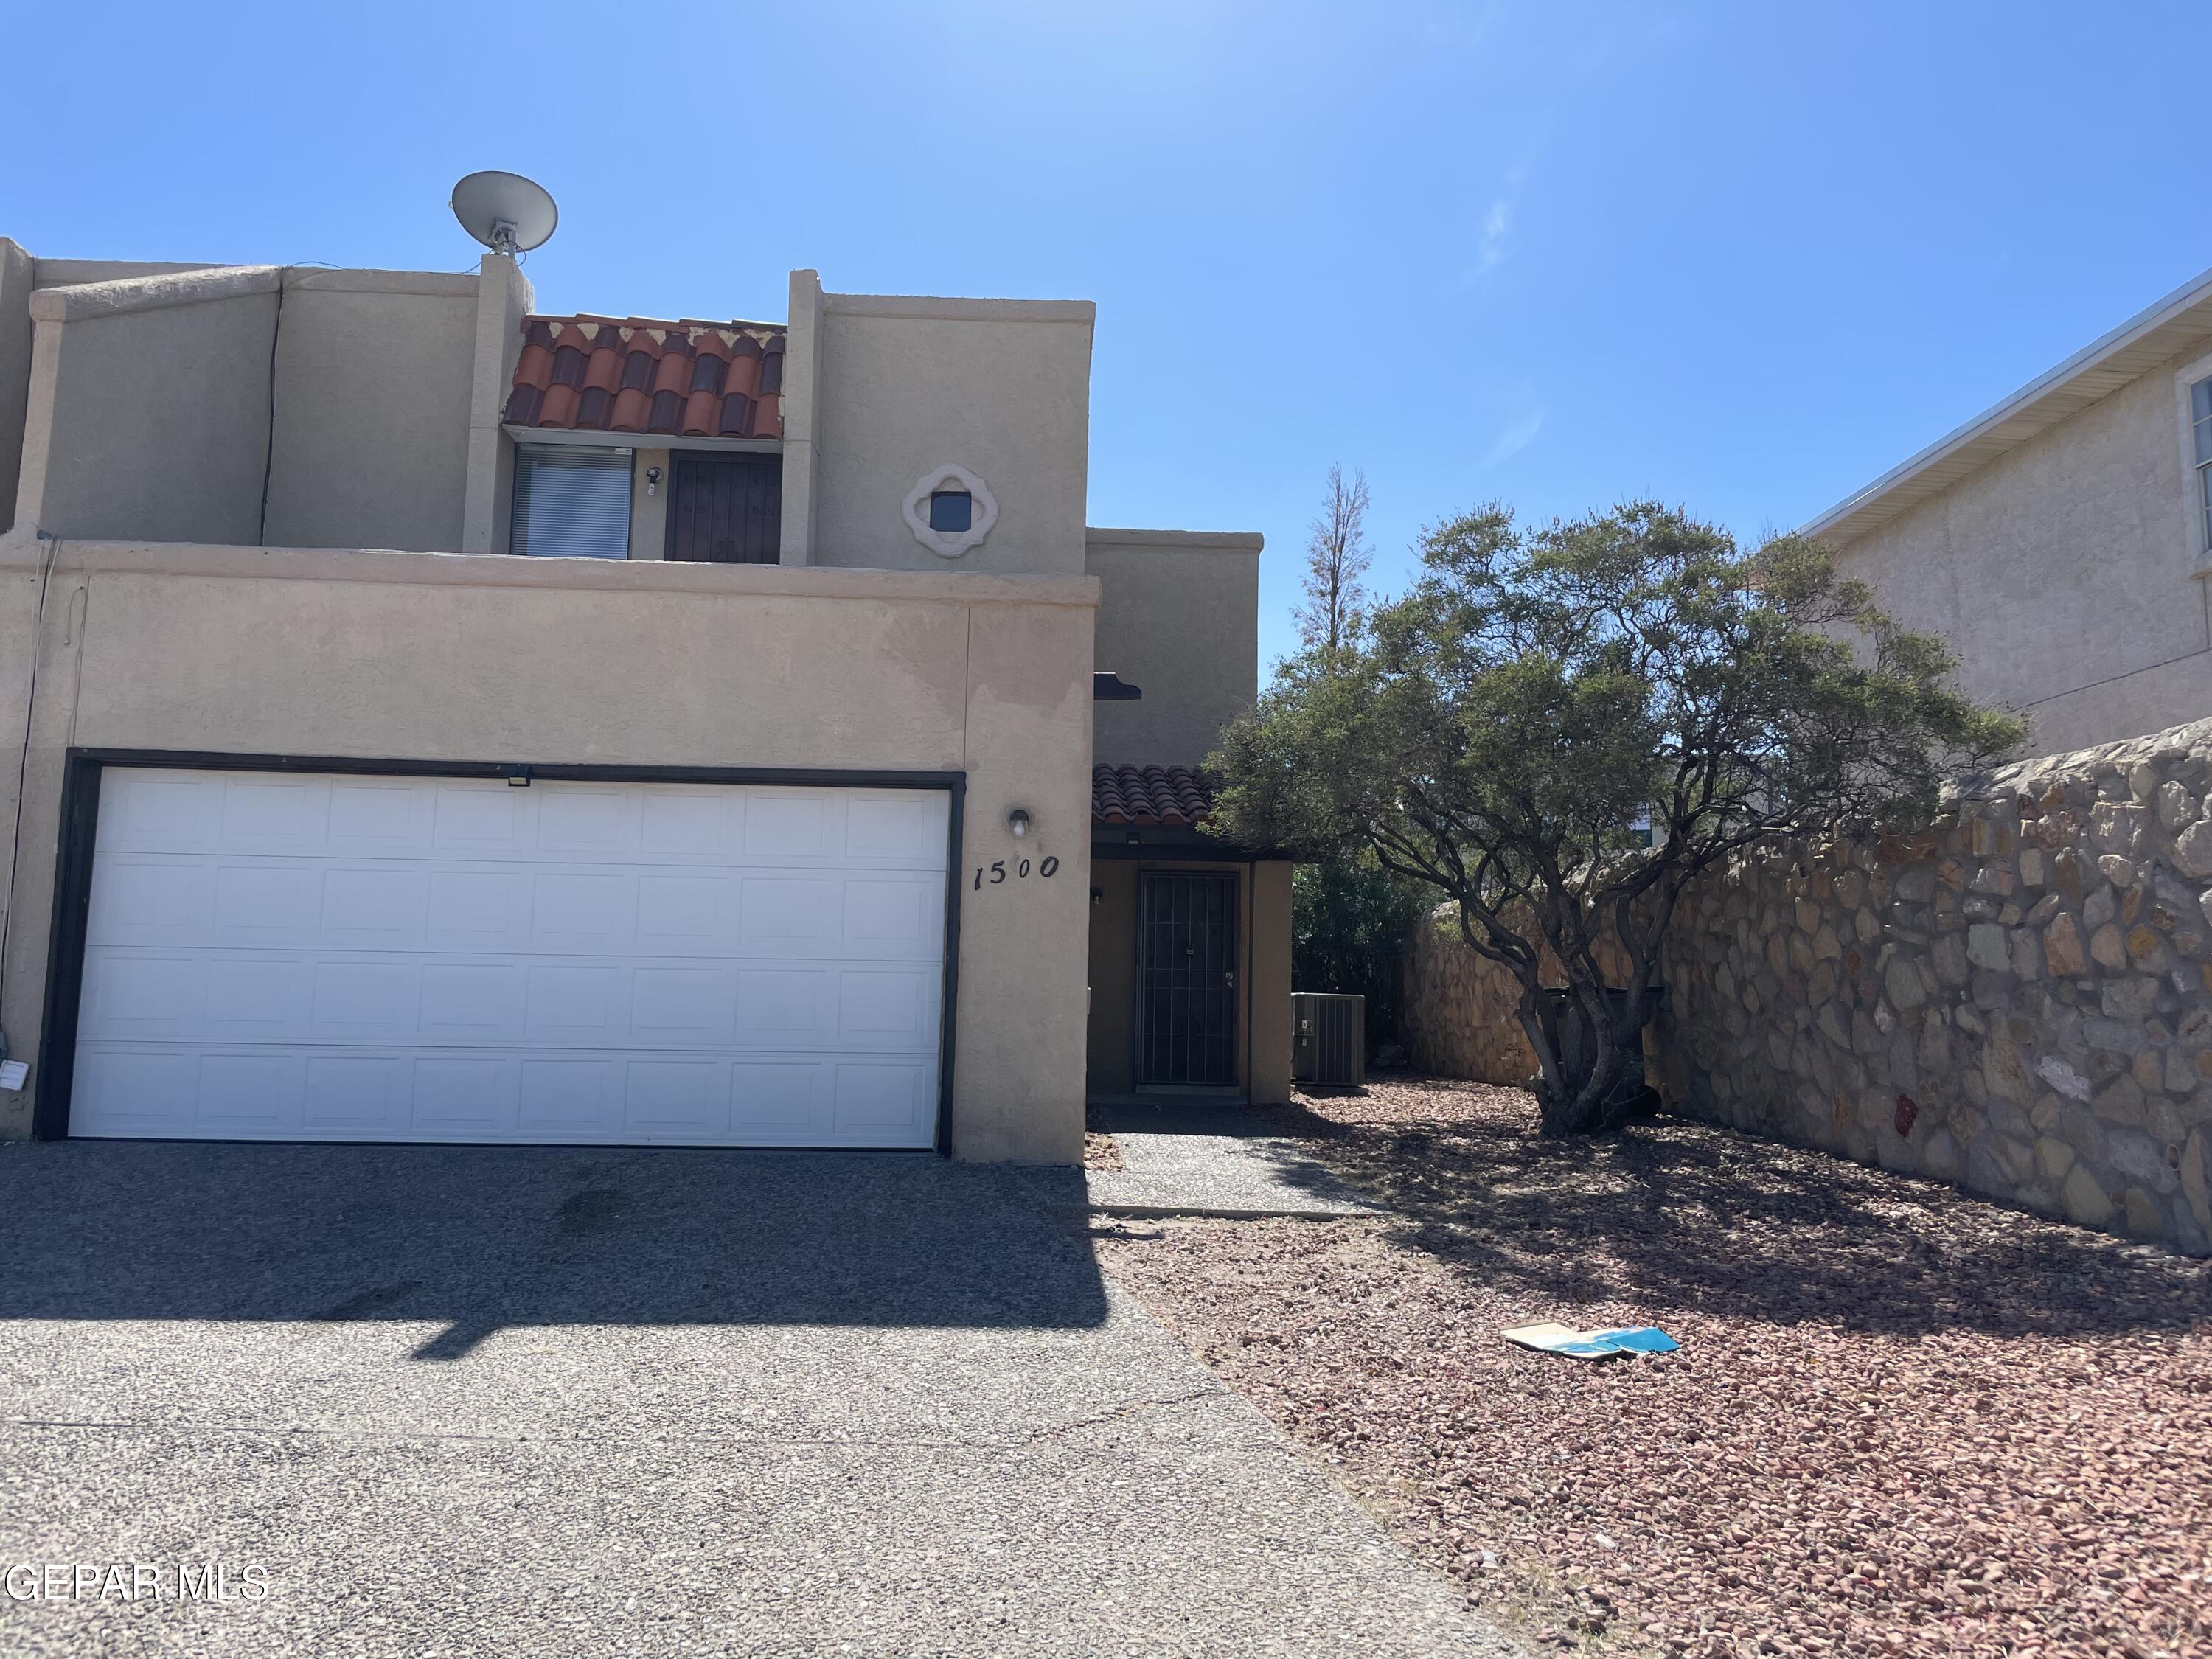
[(518, 777), (652, 480), (1018, 821)]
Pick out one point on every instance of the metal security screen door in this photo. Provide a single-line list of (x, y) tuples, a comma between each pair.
[(1187, 977), (724, 509)]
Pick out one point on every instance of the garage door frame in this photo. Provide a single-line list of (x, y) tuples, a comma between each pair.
[(80, 825)]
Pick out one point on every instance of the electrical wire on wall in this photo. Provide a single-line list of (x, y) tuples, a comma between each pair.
[(275, 334), (268, 452)]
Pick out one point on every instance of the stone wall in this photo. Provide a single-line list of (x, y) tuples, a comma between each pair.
[(1459, 1018), (2018, 1001), (1462, 1011)]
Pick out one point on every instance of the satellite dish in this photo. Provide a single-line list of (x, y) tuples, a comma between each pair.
[(505, 211)]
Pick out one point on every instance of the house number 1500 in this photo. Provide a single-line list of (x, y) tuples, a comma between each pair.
[(1047, 869)]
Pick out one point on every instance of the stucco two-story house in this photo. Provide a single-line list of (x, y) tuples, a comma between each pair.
[(443, 722), (2062, 540)]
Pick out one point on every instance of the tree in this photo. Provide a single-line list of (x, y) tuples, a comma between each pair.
[(1337, 557), (1349, 920), (1495, 733), (1348, 914)]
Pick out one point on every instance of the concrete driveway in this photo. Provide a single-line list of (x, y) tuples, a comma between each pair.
[(455, 1400)]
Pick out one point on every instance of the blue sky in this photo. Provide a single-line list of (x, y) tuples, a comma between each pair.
[(1741, 257)]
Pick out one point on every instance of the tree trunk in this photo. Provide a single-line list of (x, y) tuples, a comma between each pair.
[(1573, 1094)]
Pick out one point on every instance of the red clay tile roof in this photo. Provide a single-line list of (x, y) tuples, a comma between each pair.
[(1166, 795), (686, 379)]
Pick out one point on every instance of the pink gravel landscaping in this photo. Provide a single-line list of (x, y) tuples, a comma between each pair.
[(1902, 1421)]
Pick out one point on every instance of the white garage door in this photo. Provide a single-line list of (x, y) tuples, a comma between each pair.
[(347, 957)]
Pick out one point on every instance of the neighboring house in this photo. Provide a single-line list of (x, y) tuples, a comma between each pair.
[(2062, 540), (814, 777)]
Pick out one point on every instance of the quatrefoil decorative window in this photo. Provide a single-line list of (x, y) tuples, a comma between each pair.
[(950, 510)]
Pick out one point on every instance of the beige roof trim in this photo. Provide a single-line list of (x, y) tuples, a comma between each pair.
[(932, 307), (448, 285), (592, 437), (22, 552), (2098, 369), (1219, 541), (184, 287), (72, 273)]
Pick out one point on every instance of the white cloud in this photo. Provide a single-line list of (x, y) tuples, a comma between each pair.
[(1517, 436), (1497, 228), (1458, 27), (1494, 240)]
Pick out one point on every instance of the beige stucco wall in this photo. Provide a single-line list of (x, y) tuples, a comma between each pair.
[(1027, 744), (1263, 950), (999, 386), (504, 297), (373, 388), (648, 514), (1179, 618), (18, 271), (1113, 977), (410, 656), (1268, 962), (2063, 573), (802, 400), (19, 601), (149, 407)]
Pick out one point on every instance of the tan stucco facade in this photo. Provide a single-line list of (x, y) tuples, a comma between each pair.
[(148, 411), (648, 504), (21, 276), (151, 407), (141, 397), (1269, 939), (259, 511), (1263, 951), (2067, 573), (1178, 617), (18, 274), (503, 300), (373, 379), (1000, 387), (402, 656)]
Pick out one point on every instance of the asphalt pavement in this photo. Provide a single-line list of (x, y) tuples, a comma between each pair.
[(445, 1400)]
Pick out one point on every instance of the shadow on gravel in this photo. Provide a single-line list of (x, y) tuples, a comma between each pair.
[(484, 1238), (1684, 1215)]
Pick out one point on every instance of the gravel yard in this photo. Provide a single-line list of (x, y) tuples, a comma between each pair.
[(1902, 1421), (1100, 1151)]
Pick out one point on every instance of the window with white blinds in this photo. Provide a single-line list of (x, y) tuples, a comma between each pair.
[(571, 502)]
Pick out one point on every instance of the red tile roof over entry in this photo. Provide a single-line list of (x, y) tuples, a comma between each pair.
[(1167, 795), (687, 378)]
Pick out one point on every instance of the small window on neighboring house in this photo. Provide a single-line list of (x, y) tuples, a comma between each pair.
[(952, 512), (571, 501), (2200, 413)]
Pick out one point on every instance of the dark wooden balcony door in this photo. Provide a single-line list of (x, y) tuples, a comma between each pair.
[(724, 508), (1187, 976)]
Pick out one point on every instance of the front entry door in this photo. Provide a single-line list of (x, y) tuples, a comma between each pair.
[(724, 508), (1187, 976)]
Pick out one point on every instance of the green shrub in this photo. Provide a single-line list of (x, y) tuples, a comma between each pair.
[(1348, 925)]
